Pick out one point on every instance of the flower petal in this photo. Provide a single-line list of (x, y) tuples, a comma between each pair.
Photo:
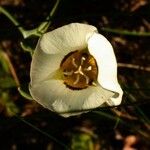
[(66, 39), (98, 97), (103, 52), (54, 95), (43, 65)]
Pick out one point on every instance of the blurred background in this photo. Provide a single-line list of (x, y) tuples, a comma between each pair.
[(24, 124)]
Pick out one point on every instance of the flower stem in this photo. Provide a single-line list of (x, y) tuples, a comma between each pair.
[(34, 32), (44, 26), (13, 20)]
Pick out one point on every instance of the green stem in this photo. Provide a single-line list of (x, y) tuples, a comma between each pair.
[(142, 116), (37, 31), (24, 94), (44, 26), (13, 20), (126, 32), (44, 133), (145, 135)]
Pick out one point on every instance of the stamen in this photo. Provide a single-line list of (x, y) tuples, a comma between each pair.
[(88, 69), (79, 71), (74, 63), (82, 60), (94, 84), (68, 73), (87, 79), (77, 80)]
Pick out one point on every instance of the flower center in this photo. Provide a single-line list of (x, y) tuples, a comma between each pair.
[(79, 70)]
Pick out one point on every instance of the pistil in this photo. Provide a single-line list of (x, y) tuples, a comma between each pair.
[(79, 69)]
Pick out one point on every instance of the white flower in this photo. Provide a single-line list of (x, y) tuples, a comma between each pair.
[(74, 68)]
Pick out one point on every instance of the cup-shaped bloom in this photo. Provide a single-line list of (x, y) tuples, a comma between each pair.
[(74, 69)]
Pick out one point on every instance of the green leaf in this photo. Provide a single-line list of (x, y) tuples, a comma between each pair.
[(7, 82), (25, 94), (3, 62), (10, 106), (82, 141)]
